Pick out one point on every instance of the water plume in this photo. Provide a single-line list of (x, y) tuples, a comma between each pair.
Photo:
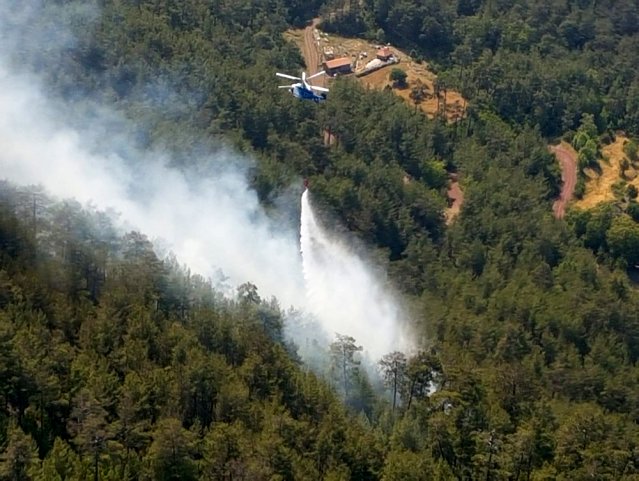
[(344, 294)]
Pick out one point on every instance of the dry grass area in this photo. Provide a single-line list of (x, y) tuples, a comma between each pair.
[(599, 185), (418, 74), (361, 52)]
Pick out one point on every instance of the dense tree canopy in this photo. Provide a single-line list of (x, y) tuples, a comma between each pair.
[(533, 62)]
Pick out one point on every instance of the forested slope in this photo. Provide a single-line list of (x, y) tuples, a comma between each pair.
[(542, 63), (532, 322), (117, 365)]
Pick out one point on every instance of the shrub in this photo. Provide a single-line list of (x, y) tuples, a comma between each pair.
[(398, 77), (619, 189), (580, 188), (633, 211), (630, 149), (624, 165)]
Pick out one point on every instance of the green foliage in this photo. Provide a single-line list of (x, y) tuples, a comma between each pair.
[(61, 463), (171, 453), (623, 239), (619, 189), (630, 149), (587, 128), (586, 144), (594, 224), (633, 211), (406, 465), (579, 140), (398, 77), (344, 364), (19, 458), (580, 187), (393, 367)]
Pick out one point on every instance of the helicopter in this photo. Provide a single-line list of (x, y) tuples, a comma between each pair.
[(304, 90)]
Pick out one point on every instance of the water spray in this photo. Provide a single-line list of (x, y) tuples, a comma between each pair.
[(343, 294)]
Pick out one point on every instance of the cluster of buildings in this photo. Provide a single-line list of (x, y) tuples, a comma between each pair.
[(344, 65)]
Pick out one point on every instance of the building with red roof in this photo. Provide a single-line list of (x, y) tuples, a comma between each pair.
[(384, 53), (341, 65)]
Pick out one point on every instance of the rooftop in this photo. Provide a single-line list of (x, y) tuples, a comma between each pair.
[(384, 52), (338, 62)]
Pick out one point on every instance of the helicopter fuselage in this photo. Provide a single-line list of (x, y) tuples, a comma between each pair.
[(302, 93)]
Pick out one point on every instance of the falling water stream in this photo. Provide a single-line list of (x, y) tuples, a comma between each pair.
[(343, 293)]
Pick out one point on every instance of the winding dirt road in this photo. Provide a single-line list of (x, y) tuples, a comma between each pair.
[(568, 161)]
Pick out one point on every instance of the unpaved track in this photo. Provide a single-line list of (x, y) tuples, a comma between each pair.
[(457, 196), (311, 54), (568, 161)]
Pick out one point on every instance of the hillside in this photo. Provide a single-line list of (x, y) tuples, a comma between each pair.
[(117, 363)]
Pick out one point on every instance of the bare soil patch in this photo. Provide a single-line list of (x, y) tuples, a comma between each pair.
[(329, 137), (567, 158), (456, 195)]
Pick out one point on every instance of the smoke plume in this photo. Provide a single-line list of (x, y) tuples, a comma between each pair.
[(209, 218)]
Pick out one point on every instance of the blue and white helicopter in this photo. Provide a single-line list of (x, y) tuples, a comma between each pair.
[(304, 90)]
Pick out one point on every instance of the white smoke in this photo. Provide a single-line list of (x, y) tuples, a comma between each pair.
[(212, 222)]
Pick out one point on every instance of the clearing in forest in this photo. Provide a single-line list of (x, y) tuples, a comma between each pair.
[(599, 186), (314, 44), (456, 197)]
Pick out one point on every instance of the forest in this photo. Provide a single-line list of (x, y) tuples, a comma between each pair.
[(116, 364)]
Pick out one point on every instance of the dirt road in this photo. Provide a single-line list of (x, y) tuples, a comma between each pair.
[(457, 196), (311, 53), (568, 161)]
